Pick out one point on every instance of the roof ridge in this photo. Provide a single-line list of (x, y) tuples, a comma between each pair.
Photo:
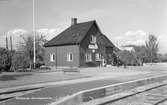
[(86, 22)]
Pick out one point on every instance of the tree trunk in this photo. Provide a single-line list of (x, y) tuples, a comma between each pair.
[(30, 65)]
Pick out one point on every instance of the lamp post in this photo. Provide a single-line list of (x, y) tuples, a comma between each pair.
[(33, 25)]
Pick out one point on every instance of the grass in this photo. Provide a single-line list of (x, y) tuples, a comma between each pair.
[(12, 77)]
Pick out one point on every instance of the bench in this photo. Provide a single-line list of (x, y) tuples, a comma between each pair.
[(71, 70)]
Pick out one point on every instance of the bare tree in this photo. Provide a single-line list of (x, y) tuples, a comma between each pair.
[(152, 47), (26, 46), (140, 53), (4, 60)]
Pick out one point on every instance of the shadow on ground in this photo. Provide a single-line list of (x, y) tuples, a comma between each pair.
[(12, 77)]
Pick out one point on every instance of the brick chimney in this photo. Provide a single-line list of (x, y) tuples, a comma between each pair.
[(73, 21)]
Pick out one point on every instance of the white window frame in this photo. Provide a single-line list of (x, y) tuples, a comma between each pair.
[(52, 57), (93, 39), (88, 57), (70, 57), (97, 56)]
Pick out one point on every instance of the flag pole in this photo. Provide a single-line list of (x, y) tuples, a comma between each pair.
[(33, 20)]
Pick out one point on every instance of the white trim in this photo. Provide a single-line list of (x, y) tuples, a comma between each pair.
[(93, 39), (88, 57), (52, 57), (70, 57), (97, 56)]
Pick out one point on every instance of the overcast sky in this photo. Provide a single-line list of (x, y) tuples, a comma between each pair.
[(123, 21)]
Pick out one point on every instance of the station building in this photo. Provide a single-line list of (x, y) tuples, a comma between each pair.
[(80, 45)]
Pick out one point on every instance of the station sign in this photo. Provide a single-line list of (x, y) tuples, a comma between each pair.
[(92, 46)]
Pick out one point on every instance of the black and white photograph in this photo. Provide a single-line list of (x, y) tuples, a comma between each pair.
[(83, 52)]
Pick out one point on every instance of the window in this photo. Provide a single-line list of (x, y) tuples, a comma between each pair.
[(88, 57), (69, 57), (93, 39), (97, 57), (52, 57)]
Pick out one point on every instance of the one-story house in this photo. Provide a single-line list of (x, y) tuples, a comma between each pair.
[(80, 45)]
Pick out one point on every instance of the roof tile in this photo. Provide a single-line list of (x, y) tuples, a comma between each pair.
[(72, 35)]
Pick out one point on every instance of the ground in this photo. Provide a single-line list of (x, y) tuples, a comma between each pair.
[(88, 78), (22, 78)]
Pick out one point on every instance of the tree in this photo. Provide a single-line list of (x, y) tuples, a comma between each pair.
[(5, 60), (140, 53), (26, 47), (128, 58), (152, 47), (19, 61), (162, 57)]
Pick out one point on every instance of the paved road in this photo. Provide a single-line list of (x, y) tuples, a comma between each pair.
[(50, 94)]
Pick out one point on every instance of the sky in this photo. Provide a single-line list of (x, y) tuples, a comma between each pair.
[(124, 22)]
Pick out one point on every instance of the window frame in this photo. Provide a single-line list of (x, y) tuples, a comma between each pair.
[(52, 57), (93, 39), (70, 57), (88, 57), (97, 58)]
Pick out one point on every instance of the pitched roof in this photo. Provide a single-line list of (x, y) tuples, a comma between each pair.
[(105, 41), (102, 39), (72, 35), (75, 34)]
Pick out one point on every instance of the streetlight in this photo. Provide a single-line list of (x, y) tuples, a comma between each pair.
[(33, 25)]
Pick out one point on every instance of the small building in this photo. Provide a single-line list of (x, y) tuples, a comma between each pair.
[(80, 45)]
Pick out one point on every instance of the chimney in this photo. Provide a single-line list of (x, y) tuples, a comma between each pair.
[(73, 21)]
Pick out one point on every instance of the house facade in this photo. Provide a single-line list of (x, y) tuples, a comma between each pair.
[(80, 45)]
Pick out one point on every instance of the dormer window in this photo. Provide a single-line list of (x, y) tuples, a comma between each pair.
[(93, 39)]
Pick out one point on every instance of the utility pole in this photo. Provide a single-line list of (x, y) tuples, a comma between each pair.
[(33, 23)]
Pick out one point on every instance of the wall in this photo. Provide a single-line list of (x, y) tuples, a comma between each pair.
[(109, 57), (84, 47), (61, 55)]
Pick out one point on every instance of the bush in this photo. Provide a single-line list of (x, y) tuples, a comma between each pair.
[(38, 65), (91, 64), (2, 68), (5, 59), (20, 61)]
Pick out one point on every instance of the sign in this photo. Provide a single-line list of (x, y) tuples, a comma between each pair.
[(91, 46)]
